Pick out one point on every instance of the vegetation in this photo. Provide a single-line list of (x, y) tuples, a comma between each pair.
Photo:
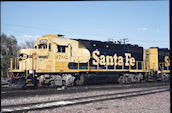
[(28, 44), (9, 48)]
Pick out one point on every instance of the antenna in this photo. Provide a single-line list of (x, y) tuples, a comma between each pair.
[(119, 42), (124, 40)]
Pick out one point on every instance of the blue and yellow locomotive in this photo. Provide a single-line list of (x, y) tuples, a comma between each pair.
[(57, 61)]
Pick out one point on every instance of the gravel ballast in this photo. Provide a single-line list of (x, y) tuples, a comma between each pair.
[(152, 103), (52, 97)]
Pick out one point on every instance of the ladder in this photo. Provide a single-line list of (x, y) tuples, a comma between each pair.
[(150, 75), (30, 79), (30, 74)]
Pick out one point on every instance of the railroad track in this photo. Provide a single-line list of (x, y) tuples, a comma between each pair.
[(15, 93), (81, 100)]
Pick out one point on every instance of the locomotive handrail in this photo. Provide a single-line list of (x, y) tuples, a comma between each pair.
[(142, 64), (14, 63), (136, 65), (161, 65), (163, 70), (11, 62), (78, 62), (123, 66), (114, 66), (87, 66), (26, 65)]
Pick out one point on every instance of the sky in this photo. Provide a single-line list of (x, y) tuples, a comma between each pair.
[(145, 23)]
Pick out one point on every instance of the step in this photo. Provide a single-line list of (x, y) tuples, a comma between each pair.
[(159, 78), (28, 80), (150, 80), (29, 84)]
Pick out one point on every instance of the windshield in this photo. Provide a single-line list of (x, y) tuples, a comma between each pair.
[(42, 46), (23, 56)]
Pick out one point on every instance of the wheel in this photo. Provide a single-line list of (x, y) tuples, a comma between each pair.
[(80, 80), (63, 83), (39, 83), (121, 80), (129, 80)]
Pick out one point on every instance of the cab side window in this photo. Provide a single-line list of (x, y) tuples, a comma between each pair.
[(61, 49), (49, 46)]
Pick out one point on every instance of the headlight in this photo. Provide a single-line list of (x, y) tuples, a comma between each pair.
[(159, 72), (30, 71)]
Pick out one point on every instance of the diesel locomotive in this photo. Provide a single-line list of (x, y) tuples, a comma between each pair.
[(57, 61)]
